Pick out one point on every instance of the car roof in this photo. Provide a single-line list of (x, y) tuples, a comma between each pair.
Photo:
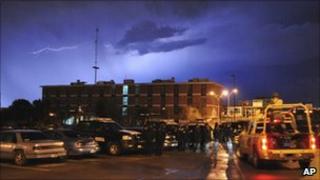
[(99, 121), (21, 130)]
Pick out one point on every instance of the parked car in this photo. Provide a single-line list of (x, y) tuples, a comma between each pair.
[(111, 136), (23, 144), (278, 138), (74, 143)]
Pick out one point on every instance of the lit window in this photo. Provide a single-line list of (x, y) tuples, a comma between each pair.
[(124, 111), (125, 101), (125, 89)]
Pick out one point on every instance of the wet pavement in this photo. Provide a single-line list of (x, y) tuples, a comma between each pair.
[(224, 167), (171, 165)]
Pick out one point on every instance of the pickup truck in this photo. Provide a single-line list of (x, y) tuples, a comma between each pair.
[(276, 137)]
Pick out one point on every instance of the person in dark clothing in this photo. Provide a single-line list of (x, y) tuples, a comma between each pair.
[(216, 139), (196, 137), (160, 137), (228, 133), (149, 138), (182, 138), (204, 137), (190, 137)]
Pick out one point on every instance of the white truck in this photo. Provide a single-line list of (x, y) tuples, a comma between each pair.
[(276, 137)]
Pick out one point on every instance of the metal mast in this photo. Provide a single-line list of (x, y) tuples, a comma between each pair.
[(95, 67)]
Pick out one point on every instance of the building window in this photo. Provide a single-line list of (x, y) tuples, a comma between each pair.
[(163, 90), (149, 91), (125, 101), (203, 90), (124, 111), (149, 101), (176, 90), (189, 100), (137, 89), (190, 89), (125, 90)]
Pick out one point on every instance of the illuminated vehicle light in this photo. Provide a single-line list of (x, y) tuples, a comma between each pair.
[(126, 137), (276, 120), (264, 144), (312, 142)]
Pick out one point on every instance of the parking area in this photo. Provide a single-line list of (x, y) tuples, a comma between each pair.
[(178, 165)]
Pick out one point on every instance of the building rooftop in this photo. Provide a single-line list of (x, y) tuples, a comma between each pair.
[(131, 81)]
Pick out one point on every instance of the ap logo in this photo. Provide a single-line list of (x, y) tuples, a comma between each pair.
[(309, 171)]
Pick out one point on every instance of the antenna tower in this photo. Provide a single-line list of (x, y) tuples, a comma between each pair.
[(95, 67)]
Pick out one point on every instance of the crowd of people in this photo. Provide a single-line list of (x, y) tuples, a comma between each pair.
[(155, 134), (190, 137), (193, 137)]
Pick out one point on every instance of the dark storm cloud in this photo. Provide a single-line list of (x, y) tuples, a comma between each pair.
[(145, 37), (148, 31), (185, 9), (295, 13), (166, 46)]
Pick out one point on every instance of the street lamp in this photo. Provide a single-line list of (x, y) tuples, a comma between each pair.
[(234, 92)]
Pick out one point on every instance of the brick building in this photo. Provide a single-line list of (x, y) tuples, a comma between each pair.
[(130, 100)]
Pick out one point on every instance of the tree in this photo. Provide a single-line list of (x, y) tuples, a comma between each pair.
[(21, 111), (40, 112)]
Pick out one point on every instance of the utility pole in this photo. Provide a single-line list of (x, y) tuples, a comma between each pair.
[(95, 67), (234, 96)]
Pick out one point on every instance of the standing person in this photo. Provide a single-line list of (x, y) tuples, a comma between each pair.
[(196, 137), (160, 137), (204, 137), (190, 137), (148, 136), (229, 140), (181, 138), (216, 139)]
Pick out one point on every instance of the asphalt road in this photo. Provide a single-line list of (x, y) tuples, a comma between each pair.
[(171, 165), (288, 170), (177, 165)]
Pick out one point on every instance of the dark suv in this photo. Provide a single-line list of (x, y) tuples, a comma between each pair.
[(111, 136)]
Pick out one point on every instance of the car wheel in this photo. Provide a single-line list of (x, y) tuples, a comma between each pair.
[(20, 158), (304, 163), (114, 149)]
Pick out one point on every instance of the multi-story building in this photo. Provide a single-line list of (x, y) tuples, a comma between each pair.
[(129, 100)]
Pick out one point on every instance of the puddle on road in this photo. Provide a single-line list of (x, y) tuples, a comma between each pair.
[(169, 171)]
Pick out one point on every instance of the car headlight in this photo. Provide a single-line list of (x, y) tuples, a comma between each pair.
[(126, 137)]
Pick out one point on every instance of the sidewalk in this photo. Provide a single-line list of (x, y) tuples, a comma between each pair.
[(224, 167)]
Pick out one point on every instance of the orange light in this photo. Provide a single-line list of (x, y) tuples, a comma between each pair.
[(312, 142), (264, 144)]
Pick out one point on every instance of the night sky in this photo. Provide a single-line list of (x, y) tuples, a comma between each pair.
[(269, 46)]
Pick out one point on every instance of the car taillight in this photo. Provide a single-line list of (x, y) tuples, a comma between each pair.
[(264, 143), (312, 142)]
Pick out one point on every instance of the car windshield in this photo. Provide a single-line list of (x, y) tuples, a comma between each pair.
[(113, 126), (33, 136)]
